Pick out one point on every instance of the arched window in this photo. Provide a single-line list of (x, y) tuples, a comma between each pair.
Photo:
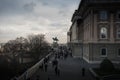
[(103, 33)]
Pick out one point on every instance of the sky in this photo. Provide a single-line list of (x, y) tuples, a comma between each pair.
[(23, 17)]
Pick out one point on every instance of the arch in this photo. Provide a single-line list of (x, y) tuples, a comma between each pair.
[(103, 33)]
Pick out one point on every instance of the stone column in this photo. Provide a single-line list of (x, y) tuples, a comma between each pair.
[(95, 28), (111, 28)]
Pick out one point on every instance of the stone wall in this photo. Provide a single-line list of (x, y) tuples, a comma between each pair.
[(74, 31), (76, 49), (94, 52)]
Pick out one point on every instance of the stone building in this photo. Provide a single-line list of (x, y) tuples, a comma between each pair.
[(95, 31)]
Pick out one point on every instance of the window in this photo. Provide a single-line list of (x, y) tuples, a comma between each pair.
[(103, 52), (119, 52), (103, 33), (103, 15), (118, 32), (118, 15)]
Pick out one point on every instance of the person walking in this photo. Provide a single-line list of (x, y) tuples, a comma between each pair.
[(56, 70), (25, 76), (46, 65), (48, 78), (55, 62), (28, 79), (41, 66), (37, 78), (70, 52), (83, 72), (45, 60)]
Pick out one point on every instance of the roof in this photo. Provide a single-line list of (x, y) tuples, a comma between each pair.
[(85, 3)]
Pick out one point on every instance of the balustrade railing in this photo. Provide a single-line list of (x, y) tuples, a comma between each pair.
[(31, 71)]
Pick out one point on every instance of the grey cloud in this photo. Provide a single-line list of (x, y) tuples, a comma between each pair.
[(7, 34), (45, 3), (29, 6), (15, 7), (58, 3), (58, 25), (63, 12), (19, 17), (35, 29), (9, 7)]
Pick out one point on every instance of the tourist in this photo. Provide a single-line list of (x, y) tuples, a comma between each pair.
[(55, 62), (37, 77), (46, 65), (41, 66), (56, 70), (83, 72), (48, 78)]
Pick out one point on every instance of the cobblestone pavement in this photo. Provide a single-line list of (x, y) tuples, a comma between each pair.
[(70, 69)]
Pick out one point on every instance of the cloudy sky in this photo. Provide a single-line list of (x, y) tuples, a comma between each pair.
[(23, 17)]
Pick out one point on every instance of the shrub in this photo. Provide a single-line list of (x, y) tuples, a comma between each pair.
[(106, 65)]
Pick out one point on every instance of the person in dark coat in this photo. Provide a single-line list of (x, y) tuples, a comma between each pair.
[(37, 77), (41, 66), (28, 79), (46, 65), (45, 60), (48, 78), (55, 62), (56, 70), (83, 72), (15, 78)]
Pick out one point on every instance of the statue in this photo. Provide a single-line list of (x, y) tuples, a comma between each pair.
[(55, 42)]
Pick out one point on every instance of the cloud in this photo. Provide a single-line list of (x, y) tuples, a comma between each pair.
[(29, 6), (23, 17)]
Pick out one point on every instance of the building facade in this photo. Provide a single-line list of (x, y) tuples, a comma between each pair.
[(95, 31)]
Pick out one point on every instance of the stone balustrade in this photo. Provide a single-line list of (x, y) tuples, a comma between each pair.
[(27, 74)]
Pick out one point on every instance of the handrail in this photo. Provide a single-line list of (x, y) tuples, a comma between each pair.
[(27, 74)]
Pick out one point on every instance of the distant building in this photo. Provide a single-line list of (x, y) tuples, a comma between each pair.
[(95, 31)]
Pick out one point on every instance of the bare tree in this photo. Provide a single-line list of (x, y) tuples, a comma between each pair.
[(35, 45), (38, 45), (16, 47)]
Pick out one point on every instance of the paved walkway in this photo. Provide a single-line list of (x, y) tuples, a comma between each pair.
[(70, 69)]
